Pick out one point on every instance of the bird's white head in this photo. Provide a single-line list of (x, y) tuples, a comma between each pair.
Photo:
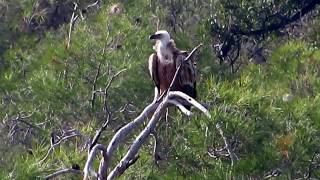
[(162, 36)]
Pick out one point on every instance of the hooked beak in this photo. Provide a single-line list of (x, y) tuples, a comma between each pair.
[(155, 36)]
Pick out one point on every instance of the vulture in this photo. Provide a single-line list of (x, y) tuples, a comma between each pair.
[(164, 62)]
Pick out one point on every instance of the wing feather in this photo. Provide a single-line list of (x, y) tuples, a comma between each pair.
[(153, 69), (187, 76)]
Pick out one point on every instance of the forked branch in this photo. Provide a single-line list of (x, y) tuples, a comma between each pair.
[(155, 110)]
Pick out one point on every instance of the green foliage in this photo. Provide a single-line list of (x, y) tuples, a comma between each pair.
[(270, 110)]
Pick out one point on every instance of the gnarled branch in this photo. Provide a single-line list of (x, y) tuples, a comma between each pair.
[(155, 109)]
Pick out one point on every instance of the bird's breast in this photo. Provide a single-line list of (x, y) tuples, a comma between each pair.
[(166, 73)]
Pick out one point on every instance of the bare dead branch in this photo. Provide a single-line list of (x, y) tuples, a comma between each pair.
[(156, 147), (122, 134), (73, 133), (98, 134), (63, 171), (107, 88), (123, 164), (283, 21), (274, 173), (93, 4), (314, 165), (136, 145), (87, 168), (22, 119), (21, 128), (156, 108), (72, 19), (94, 86), (180, 106), (106, 109), (232, 155), (216, 153), (190, 100)]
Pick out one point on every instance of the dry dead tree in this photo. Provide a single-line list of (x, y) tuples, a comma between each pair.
[(91, 144), (155, 109)]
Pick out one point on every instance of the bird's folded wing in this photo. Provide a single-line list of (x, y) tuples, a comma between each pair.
[(153, 69)]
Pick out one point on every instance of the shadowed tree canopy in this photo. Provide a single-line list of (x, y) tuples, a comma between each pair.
[(233, 23)]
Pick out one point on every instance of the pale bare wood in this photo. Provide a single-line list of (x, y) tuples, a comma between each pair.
[(155, 109)]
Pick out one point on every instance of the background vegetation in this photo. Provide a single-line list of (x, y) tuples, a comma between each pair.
[(267, 103)]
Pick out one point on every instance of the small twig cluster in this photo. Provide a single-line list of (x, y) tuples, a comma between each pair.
[(56, 141), (227, 150), (75, 15), (314, 165), (21, 129)]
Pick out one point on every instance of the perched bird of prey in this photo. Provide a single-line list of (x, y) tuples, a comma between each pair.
[(164, 62)]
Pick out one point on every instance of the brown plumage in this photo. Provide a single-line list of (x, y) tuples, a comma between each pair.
[(164, 63)]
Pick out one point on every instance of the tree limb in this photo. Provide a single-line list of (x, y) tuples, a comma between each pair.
[(136, 145), (156, 108), (180, 106), (63, 171), (122, 134), (87, 168), (190, 100), (73, 134), (94, 86), (72, 20), (123, 164), (106, 109)]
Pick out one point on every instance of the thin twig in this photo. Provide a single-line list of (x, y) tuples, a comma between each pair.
[(72, 19), (107, 88), (75, 133), (98, 134), (94, 86), (233, 156), (156, 148), (93, 4), (63, 171)]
